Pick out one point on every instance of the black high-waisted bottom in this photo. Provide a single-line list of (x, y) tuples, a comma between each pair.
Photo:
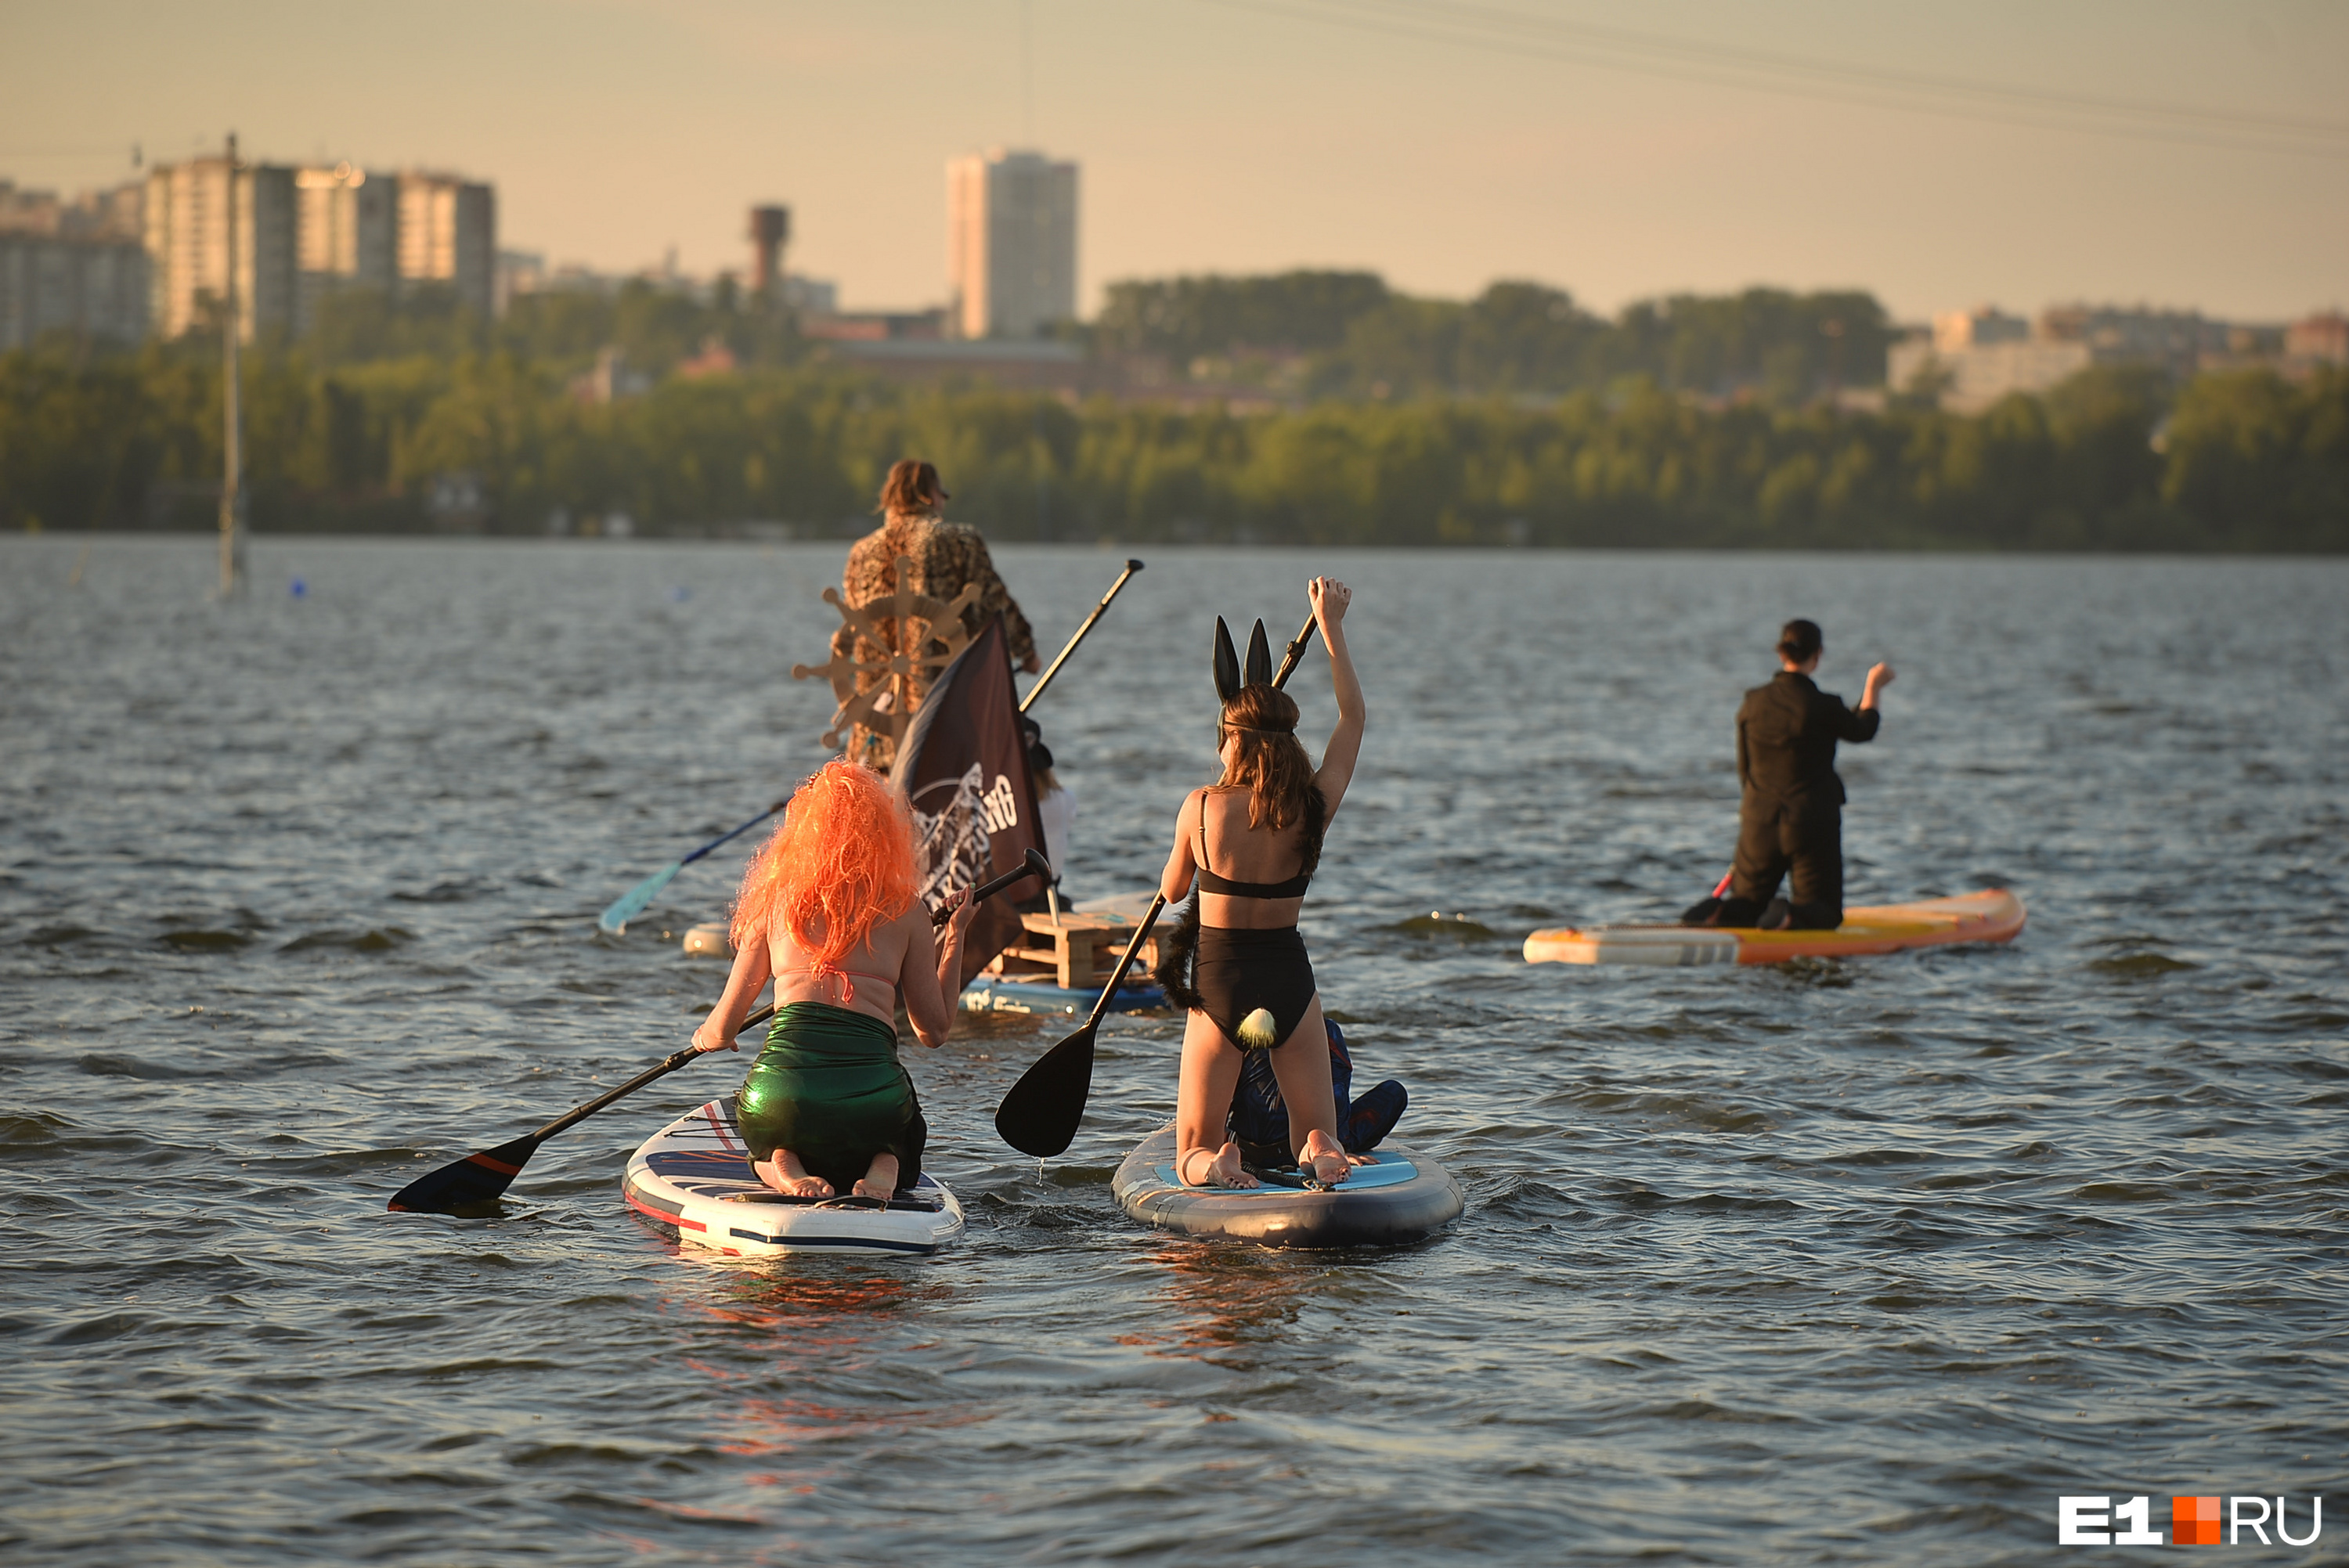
[(1237, 971)]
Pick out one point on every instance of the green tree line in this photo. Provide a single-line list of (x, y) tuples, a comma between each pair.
[(1314, 335), (1348, 335), (2112, 460)]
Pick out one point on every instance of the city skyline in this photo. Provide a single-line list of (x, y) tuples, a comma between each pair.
[(1240, 137)]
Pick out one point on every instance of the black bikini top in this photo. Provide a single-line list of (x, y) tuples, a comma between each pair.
[(1294, 886)]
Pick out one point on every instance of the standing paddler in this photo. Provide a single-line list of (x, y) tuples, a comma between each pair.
[(1790, 803), (947, 557)]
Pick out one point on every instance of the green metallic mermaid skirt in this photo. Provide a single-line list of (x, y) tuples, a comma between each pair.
[(829, 1087)]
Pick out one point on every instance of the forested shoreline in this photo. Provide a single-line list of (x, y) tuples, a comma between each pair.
[(395, 425)]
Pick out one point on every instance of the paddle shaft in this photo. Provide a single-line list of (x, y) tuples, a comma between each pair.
[(1045, 679), (737, 833), (1295, 653), (659, 1069), (1132, 951)]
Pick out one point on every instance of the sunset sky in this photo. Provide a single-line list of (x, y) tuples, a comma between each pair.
[(1942, 154)]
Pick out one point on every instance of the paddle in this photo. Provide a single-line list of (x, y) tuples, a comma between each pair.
[(1294, 652), (638, 899), (1132, 566), (1042, 1113), (479, 1178), (1701, 910)]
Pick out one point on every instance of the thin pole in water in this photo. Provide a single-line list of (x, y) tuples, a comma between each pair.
[(231, 507)]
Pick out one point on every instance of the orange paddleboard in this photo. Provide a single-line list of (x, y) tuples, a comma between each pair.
[(1994, 914)]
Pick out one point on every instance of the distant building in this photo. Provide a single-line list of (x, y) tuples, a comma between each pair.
[(187, 241), (75, 267), (874, 327), (347, 235), (1029, 365), (448, 234), (611, 380), (2173, 340), (715, 360), (1976, 357), (1971, 379), (519, 272), (771, 230), (94, 216), (1011, 244), (93, 289), (810, 296), (1955, 331), (2321, 339)]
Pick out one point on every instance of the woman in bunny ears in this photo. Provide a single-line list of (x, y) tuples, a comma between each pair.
[(1251, 840)]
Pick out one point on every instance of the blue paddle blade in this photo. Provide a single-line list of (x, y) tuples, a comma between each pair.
[(636, 899)]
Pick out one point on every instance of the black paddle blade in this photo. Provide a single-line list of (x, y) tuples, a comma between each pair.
[(1227, 664), (474, 1180), (1259, 659), (1042, 1113)]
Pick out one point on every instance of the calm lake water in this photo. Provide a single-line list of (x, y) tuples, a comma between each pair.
[(1833, 1263)]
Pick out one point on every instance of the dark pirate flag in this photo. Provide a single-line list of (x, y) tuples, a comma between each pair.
[(963, 766)]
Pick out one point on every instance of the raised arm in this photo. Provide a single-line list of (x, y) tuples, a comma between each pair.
[(1176, 880), (1860, 724), (930, 978), (1330, 598), (753, 967)]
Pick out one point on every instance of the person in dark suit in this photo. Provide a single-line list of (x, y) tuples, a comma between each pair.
[(1790, 810)]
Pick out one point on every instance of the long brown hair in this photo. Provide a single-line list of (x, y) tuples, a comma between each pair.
[(1271, 766), (912, 487)]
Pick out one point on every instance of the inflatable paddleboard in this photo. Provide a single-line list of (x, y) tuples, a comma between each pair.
[(1994, 914), (693, 1179), (994, 994), (1406, 1195)]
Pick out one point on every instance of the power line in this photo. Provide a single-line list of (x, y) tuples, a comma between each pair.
[(1492, 29), (2224, 119)]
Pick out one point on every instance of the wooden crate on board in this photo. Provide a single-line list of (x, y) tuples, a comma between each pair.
[(1075, 952)]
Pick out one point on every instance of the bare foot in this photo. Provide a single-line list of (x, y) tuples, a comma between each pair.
[(1222, 1168), (784, 1173), (880, 1179), (1322, 1160)]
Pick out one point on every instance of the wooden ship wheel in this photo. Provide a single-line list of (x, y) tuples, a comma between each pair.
[(941, 641)]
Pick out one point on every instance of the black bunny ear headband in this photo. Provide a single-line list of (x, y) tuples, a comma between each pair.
[(1231, 676)]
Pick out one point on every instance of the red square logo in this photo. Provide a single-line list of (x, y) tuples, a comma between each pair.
[(2194, 1521)]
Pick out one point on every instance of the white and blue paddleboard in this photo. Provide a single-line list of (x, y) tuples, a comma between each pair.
[(994, 994), (693, 1179), (1404, 1196)]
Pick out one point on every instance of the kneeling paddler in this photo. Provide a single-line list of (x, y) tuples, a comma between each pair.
[(1790, 806)]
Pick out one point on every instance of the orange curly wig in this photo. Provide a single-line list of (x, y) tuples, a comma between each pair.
[(841, 862)]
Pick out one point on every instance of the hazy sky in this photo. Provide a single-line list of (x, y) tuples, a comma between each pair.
[(1445, 143)]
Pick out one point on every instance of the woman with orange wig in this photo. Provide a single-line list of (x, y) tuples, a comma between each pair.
[(828, 913)]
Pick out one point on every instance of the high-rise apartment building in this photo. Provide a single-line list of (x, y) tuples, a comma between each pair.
[(448, 233), (188, 245), (77, 268), (1011, 244), (347, 233)]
